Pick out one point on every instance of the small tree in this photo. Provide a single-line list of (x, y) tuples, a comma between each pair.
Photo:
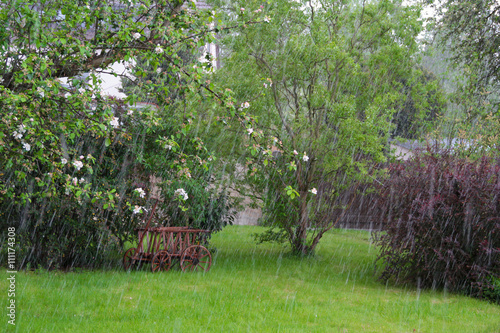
[(319, 84), (441, 222)]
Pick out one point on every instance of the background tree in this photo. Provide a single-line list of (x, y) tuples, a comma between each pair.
[(465, 44), (320, 84), (471, 28), (424, 104)]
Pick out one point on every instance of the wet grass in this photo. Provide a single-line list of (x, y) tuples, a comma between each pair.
[(256, 288)]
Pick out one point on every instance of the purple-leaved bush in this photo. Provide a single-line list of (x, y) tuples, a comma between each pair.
[(441, 223)]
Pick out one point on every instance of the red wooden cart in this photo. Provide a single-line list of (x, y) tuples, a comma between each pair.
[(160, 246)]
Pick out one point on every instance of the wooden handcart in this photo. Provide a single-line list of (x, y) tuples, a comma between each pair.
[(163, 245)]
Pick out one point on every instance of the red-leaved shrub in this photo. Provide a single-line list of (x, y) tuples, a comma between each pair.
[(441, 223)]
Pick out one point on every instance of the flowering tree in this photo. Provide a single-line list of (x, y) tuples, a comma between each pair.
[(320, 81), (74, 164)]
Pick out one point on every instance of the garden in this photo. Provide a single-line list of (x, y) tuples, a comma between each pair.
[(258, 288), (291, 108)]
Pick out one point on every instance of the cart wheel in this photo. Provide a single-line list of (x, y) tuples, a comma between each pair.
[(196, 258), (128, 259), (162, 261)]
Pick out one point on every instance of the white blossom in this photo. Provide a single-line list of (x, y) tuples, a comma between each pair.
[(82, 157), (78, 165), (158, 49), (130, 112), (267, 19), (136, 35), (167, 146), (114, 122), (17, 135), (21, 128), (305, 158), (40, 91), (181, 192), (64, 161), (137, 209), (245, 105), (82, 180), (141, 192), (26, 146), (314, 191), (74, 181), (295, 152), (250, 131)]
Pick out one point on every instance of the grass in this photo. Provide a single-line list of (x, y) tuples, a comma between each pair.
[(254, 288)]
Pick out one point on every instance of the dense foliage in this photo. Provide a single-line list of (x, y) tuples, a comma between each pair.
[(76, 167), (322, 83), (417, 114), (471, 29), (441, 218), (464, 41)]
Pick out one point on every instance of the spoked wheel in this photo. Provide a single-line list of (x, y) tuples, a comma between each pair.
[(162, 261), (196, 258), (128, 259)]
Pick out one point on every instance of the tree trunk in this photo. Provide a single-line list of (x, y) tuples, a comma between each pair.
[(299, 244)]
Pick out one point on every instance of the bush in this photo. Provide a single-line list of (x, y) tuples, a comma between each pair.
[(441, 219), (492, 291), (207, 208), (85, 216)]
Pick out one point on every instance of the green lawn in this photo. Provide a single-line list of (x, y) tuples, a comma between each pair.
[(256, 288)]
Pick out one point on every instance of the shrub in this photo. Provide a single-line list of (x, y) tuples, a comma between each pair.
[(207, 208), (441, 219), (83, 219), (492, 291)]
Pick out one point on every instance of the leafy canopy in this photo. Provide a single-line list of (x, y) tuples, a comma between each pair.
[(320, 84)]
